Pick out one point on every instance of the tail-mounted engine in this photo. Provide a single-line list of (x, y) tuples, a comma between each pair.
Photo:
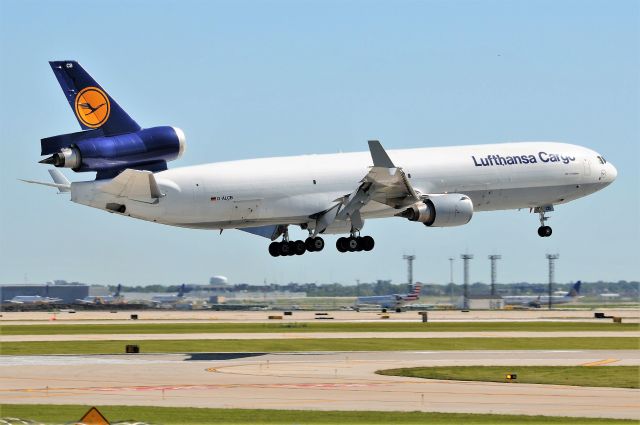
[(147, 149), (453, 209), (111, 141)]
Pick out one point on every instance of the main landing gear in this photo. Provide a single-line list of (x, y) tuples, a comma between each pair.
[(355, 243), (544, 231), (287, 248)]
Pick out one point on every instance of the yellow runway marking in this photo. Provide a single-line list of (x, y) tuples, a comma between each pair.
[(600, 362)]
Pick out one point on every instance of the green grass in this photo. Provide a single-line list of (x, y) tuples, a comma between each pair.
[(52, 414), (592, 376), (151, 328), (321, 344)]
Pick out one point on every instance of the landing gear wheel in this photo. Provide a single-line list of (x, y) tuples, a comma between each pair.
[(360, 247), (314, 244), (274, 249), (285, 249), (367, 243), (544, 231), (317, 243), (299, 248), (352, 244), (308, 243), (341, 244)]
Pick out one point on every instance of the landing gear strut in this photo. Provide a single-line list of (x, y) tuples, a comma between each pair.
[(544, 231)]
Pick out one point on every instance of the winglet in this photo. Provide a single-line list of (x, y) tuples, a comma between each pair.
[(379, 155)]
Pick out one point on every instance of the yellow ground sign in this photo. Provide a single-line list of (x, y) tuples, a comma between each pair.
[(93, 417)]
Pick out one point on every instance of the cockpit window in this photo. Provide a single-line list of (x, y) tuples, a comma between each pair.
[(602, 160)]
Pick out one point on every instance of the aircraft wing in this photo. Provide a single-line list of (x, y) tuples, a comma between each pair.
[(390, 183), (384, 183)]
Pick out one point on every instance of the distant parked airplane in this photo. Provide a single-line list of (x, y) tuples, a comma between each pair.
[(393, 301), (169, 299), (114, 298), (33, 299), (542, 300)]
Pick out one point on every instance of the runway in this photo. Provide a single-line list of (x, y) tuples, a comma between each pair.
[(197, 316), (315, 335), (317, 381)]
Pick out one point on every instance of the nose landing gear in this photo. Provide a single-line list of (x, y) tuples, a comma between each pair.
[(544, 231)]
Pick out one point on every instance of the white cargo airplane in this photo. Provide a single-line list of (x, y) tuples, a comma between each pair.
[(323, 194)]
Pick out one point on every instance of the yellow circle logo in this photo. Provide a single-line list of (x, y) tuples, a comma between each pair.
[(92, 107)]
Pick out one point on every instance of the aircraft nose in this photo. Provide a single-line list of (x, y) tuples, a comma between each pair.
[(612, 173)]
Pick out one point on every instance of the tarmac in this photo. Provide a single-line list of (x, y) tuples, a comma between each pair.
[(316, 335), (197, 316), (316, 381)]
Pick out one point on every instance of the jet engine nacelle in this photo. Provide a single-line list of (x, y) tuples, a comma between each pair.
[(453, 209), (149, 148)]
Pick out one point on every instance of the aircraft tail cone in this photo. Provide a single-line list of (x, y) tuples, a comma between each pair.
[(50, 160), (57, 160)]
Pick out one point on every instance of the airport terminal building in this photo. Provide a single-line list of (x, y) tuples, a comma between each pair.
[(67, 292)]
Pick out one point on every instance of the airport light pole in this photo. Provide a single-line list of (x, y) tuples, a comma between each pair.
[(494, 271), (451, 277), (465, 295), (409, 259), (552, 274)]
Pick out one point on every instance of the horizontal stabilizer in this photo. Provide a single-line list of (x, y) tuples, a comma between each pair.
[(59, 181), (60, 187), (137, 185)]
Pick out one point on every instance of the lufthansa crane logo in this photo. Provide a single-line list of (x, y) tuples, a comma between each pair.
[(92, 107)]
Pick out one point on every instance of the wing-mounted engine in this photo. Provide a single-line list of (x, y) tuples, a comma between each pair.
[(452, 209)]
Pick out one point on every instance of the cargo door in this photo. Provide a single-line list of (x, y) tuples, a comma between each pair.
[(246, 209)]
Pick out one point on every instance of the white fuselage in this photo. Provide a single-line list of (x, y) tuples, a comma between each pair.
[(289, 190)]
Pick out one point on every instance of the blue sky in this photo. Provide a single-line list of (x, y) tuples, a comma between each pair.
[(270, 78)]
